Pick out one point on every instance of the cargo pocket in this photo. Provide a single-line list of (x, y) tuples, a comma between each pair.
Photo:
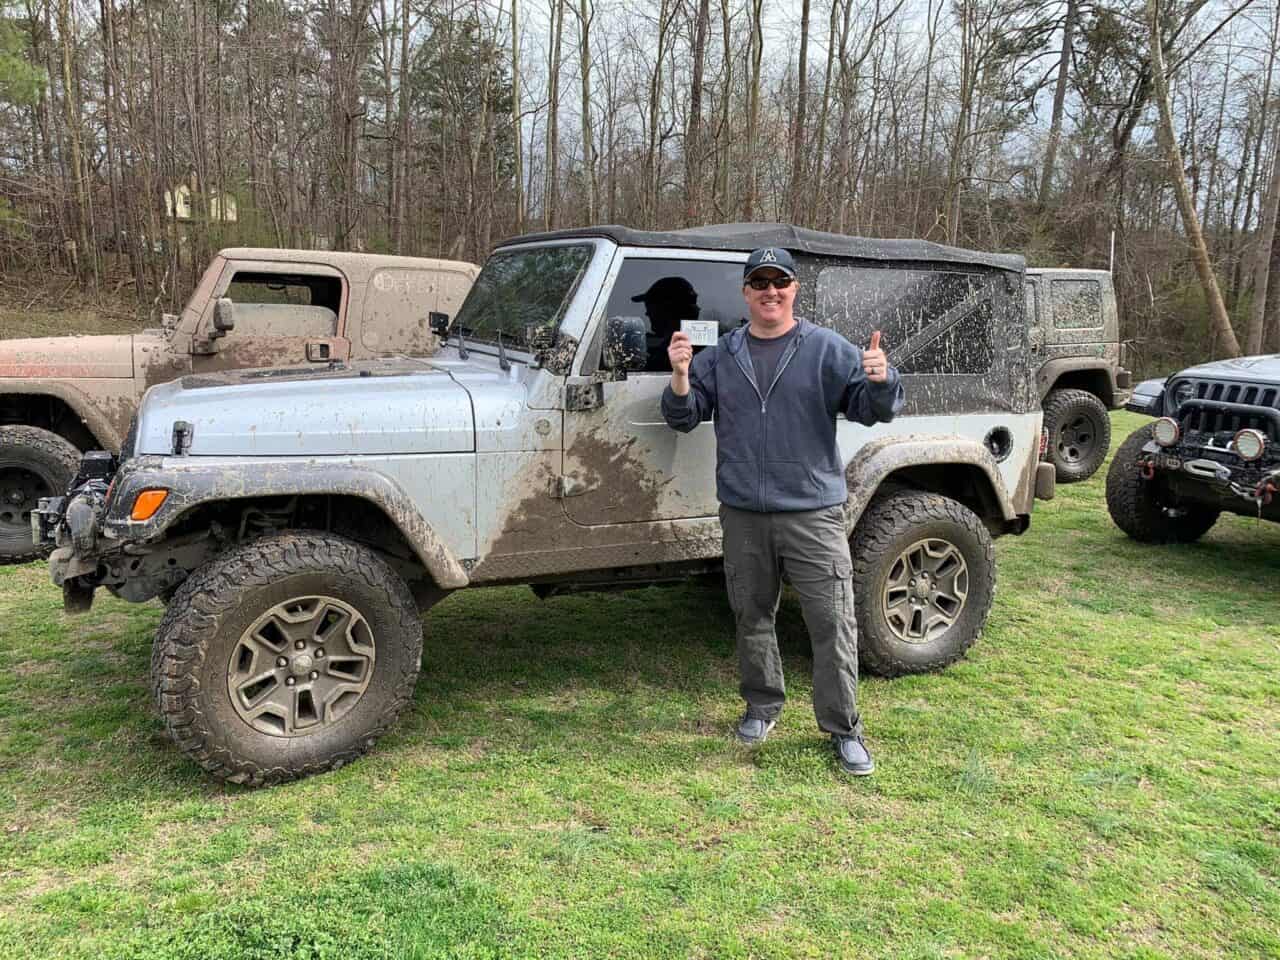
[(842, 587)]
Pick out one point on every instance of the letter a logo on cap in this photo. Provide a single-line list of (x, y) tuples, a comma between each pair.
[(769, 257)]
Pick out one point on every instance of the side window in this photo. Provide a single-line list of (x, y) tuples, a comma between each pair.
[(284, 305), (1077, 304), (934, 321), (665, 292), (1033, 316)]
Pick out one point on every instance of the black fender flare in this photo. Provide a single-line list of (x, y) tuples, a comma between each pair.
[(1052, 370), (93, 418), (881, 458), (198, 482)]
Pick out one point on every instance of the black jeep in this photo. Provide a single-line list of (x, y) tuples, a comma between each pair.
[(1215, 447)]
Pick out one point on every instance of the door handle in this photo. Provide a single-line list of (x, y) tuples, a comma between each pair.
[(317, 351)]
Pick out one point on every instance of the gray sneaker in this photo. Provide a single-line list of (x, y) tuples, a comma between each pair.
[(754, 730), (853, 756)]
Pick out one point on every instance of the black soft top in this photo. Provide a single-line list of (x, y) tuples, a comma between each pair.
[(748, 236)]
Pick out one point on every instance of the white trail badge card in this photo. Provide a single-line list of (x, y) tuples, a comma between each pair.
[(702, 333)]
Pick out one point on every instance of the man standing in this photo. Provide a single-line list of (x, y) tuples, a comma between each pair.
[(775, 388)]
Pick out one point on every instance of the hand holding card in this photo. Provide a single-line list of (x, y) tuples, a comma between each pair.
[(701, 333)]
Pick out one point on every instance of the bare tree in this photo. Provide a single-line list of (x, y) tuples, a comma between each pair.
[(1221, 323)]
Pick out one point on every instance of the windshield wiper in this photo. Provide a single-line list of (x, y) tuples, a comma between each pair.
[(503, 362)]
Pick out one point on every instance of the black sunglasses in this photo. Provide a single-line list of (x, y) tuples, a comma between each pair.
[(763, 283)]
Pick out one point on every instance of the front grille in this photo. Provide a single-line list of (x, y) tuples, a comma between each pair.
[(1219, 409)]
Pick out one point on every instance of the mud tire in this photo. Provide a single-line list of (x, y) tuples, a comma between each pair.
[(202, 627), (1067, 407), (1135, 504), (891, 525), (49, 460)]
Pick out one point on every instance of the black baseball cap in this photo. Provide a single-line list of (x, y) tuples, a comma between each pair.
[(775, 257)]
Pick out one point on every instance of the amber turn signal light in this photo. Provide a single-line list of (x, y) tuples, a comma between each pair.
[(148, 502)]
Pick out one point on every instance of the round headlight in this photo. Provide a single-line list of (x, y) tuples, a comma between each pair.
[(1166, 431), (1182, 392), (1249, 444)]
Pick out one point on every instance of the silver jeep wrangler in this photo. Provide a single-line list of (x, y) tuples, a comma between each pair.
[(298, 522)]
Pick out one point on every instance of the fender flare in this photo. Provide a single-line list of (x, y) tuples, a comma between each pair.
[(80, 405), (198, 483), (881, 458), (1048, 374)]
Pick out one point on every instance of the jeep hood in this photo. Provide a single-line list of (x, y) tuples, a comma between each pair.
[(1265, 368), (397, 407), (101, 357)]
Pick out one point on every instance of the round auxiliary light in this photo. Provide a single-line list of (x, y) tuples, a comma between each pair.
[(1166, 431), (1249, 444)]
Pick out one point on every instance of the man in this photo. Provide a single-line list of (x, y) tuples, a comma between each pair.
[(774, 388), (667, 301)]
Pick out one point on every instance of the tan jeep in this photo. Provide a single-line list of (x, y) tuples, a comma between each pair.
[(252, 308)]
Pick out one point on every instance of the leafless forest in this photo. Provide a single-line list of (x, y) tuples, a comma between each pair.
[(437, 127)]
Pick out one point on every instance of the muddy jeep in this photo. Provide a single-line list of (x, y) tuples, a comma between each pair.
[(297, 523), (1214, 448), (252, 308), (1075, 341)]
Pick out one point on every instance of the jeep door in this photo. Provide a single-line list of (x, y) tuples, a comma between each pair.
[(286, 314), (622, 463)]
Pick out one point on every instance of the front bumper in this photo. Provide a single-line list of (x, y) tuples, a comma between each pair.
[(1215, 478)]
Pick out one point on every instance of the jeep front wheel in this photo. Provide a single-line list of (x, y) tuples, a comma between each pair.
[(923, 578), (1139, 506), (286, 656), (1079, 432), (34, 463)]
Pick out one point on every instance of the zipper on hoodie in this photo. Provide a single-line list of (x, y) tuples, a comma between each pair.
[(749, 371)]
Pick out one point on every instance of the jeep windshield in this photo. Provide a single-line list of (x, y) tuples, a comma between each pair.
[(520, 292)]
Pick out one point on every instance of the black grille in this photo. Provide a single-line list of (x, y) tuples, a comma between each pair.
[(1220, 408)]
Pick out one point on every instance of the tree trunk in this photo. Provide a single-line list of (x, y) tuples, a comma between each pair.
[(588, 143), (1220, 323), (1059, 102), (798, 164), (1266, 239), (753, 109), (551, 196), (518, 158), (693, 132)]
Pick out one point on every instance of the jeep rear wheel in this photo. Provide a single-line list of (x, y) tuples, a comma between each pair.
[(1139, 507), (1079, 432), (285, 657), (923, 577), (34, 463)]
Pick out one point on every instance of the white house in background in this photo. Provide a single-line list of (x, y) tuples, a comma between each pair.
[(220, 207)]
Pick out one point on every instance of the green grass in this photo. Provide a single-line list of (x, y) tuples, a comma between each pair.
[(1098, 779)]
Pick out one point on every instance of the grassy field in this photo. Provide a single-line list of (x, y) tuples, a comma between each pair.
[(1100, 778)]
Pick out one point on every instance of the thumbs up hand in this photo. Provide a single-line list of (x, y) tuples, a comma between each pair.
[(874, 363)]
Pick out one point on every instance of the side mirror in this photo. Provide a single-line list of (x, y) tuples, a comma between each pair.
[(439, 322), (625, 347), (224, 316)]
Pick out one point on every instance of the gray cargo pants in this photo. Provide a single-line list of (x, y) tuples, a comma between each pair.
[(811, 548)]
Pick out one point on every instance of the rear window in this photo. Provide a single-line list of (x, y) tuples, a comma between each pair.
[(1077, 304), (933, 321)]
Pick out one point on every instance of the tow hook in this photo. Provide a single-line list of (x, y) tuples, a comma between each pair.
[(1147, 469), (1265, 492)]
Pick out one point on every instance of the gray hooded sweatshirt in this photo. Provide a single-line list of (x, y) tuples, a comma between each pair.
[(776, 443)]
